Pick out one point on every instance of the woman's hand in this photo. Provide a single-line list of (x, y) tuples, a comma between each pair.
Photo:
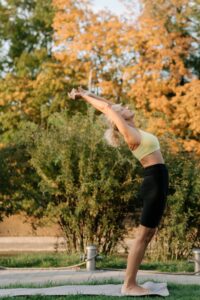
[(82, 91), (74, 94)]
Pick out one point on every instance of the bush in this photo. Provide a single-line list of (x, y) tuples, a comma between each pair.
[(66, 173), (179, 231), (87, 187)]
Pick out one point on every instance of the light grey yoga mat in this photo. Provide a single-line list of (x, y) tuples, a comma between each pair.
[(159, 289)]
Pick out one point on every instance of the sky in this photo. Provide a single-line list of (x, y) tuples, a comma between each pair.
[(114, 5)]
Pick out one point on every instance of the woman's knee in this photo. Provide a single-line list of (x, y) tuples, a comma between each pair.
[(145, 234)]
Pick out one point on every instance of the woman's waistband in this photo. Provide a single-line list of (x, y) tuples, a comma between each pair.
[(154, 168)]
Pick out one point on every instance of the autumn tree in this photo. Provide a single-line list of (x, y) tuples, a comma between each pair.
[(144, 62), (33, 84), (194, 18), (164, 86), (26, 27), (93, 46)]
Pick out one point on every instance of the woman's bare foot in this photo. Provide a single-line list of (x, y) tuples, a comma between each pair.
[(134, 290)]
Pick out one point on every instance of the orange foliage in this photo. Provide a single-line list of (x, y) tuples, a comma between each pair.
[(187, 109), (97, 43), (139, 62)]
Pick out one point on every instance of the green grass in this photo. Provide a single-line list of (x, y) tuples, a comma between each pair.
[(119, 262), (46, 260), (170, 266), (177, 292), (38, 260)]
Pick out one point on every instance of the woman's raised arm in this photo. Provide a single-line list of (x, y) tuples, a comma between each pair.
[(95, 96), (106, 108), (98, 104)]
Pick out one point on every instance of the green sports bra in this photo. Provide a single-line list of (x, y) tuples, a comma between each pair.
[(149, 143)]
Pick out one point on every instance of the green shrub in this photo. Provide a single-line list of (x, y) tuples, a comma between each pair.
[(65, 173), (179, 231), (86, 186)]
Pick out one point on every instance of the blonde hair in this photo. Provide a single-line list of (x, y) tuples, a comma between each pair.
[(112, 134)]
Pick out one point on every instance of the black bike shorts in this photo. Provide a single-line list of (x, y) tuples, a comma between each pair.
[(153, 192)]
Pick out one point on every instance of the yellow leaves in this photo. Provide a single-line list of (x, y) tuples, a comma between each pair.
[(174, 145), (192, 146), (162, 102), (19, 95), (157, 125), (107, 87), (143, 62), (83, 33), (13, 91), (187, 105)]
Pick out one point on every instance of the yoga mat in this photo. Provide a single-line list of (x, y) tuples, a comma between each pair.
[(159, 289)]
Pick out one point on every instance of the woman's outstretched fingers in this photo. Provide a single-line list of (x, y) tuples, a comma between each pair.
[(74, 94), (71, 94)]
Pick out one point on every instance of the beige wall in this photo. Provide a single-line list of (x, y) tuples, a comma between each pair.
[(17, 234), (18, 225)]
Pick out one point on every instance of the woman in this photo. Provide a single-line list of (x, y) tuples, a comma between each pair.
[(145, 147)]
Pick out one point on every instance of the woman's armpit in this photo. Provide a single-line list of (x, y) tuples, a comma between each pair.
[(133, 146)]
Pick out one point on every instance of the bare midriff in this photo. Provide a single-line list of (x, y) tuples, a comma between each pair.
[(152, 159)]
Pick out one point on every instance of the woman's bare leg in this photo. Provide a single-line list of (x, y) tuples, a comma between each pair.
[(136, 254)]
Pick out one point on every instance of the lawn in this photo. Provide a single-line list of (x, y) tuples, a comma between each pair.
[(182, 292), (45, 260)]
